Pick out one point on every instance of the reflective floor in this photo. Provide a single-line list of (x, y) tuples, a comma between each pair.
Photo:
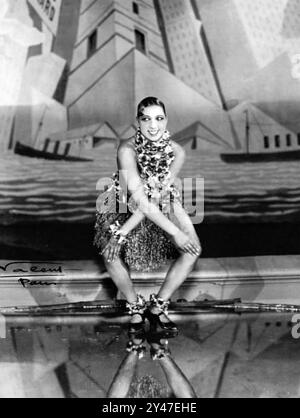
[(214, 355)]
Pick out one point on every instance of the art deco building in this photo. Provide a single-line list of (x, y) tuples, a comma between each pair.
[(14, 46), (123, 52), (108, 32), (271, 26), (40, 109), (245, 36), (187, 50), (36, 48)]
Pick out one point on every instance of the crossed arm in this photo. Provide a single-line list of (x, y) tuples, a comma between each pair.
[(175, 168), (145, 208)]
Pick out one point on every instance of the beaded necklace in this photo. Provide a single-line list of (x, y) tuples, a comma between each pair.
[(154, 159)]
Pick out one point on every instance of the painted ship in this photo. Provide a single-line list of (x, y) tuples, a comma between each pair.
[(255, 157), (265, 156), (75, 145), (28, 151)]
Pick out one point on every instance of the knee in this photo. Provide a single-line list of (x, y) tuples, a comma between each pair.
[(116, 266), (110, 264), (200, 249), (191, 258)]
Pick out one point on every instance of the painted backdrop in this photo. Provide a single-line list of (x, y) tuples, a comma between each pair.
[(72, 72)]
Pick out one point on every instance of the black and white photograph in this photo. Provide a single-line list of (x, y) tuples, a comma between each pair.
[(149, 200)]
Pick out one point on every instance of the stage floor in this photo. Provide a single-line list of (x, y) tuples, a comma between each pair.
[(214, 355)]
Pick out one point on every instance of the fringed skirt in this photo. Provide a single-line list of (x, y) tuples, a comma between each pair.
[(147, 247)]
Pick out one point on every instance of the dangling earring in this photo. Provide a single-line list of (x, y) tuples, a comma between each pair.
[(166, 134), (137, 132)]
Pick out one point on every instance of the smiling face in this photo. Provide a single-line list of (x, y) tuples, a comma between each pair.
[(153, 122)]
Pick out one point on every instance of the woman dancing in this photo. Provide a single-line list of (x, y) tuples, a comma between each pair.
[(154, 227)]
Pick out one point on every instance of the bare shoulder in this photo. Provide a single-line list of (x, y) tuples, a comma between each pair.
[(178, 149), (126, 147), (126, 156)]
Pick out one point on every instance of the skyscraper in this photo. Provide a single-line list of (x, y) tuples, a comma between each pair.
[(108, 30), (122, 53), (17, 35), (189, 59), (271, 26), (245, 36), (44, 76)]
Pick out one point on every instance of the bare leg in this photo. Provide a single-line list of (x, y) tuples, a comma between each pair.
[(120, 276), (120, 385), (123, 378), (177, 274), (177, 381), (181, 268)]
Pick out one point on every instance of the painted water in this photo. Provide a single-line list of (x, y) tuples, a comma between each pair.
[(34, 190)]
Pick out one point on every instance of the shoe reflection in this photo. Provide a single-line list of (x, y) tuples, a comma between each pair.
[(54, 361), (159, 351)]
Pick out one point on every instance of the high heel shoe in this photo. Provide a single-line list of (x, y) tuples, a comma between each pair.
[(161, 306), (137, 308)]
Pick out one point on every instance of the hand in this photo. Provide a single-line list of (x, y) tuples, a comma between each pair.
[(186, 244), (112, 248)]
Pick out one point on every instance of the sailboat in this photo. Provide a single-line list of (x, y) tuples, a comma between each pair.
[(253, 157)]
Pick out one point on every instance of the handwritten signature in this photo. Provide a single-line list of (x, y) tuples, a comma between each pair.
[(18, 268), (12, 268), (26, 283)]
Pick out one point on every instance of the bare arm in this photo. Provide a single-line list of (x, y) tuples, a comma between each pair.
[(127, 164), (176, 166)]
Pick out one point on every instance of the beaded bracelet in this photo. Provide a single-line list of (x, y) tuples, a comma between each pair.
[(159, 303), (158, 353), (115, 231), (139, 349)]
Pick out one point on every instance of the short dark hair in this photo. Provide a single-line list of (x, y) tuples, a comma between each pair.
[(149, 101)]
